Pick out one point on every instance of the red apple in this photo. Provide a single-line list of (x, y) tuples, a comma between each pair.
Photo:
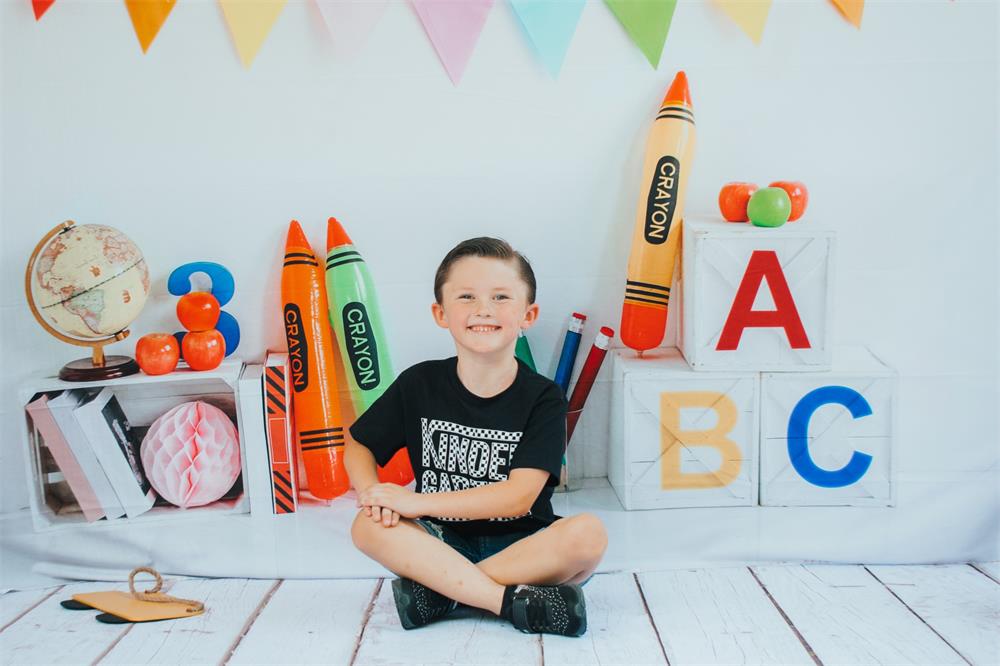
[(204, 350), (157, 353), (733, 200), (198, 311), (798, 193)]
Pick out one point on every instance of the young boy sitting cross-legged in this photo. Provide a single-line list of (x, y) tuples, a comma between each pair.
[(485, 435)]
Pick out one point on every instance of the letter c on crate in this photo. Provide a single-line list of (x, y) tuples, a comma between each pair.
[(798, 433)]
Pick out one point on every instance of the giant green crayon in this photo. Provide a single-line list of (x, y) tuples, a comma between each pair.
[(357, 323)]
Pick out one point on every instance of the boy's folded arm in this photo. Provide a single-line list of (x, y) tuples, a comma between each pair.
[(505, 499), (361, 467)]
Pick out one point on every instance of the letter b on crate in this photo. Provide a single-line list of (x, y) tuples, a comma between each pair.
[(756, 298), (681, 438)]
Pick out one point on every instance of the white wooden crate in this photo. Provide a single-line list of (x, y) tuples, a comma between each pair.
[(718, 257), (670, 445), (143, 399), (833, 434)]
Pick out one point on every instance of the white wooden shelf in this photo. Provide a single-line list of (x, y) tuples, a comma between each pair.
[(143, 398)]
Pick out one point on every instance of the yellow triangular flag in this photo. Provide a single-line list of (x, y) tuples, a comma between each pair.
[(148, 17), (852, 10), (750, 15), (250, 21)]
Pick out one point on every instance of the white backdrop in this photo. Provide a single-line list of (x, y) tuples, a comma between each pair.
[(893, 128)]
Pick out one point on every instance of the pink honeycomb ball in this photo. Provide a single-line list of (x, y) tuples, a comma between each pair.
[(191, 454)]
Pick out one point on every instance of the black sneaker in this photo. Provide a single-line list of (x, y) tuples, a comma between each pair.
[(549, 609), (418, 604)]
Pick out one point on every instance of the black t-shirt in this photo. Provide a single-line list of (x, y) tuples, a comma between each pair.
[(458, 440)]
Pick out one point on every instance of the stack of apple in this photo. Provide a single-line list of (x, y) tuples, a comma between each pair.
[(202, 347), (781, 201)]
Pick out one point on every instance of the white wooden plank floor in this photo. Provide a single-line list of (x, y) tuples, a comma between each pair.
[(761, 614)]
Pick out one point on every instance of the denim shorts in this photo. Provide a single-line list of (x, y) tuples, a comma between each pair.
[(473, 548), (476, 548)]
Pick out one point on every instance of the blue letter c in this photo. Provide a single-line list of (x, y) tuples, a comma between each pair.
[(798, 433)]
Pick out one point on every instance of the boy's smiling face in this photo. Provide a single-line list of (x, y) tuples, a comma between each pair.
[(484, 304)]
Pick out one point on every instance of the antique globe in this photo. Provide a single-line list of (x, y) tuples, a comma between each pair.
[(85, 284)]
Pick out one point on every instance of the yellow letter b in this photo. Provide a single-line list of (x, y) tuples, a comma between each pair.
[(673, 440)]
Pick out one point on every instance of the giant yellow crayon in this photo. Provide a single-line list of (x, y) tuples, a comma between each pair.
[(318, 425), (656, 239)]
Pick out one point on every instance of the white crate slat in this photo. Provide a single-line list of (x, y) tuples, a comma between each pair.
[(719, 616), (253, 442), (715, 259), (833, 433), (641, 426), (958, 602), (227, 372), (467, 636), (42, 635), (848, 617), (308, 622), (203, 639), (14, 604), (619, 631)]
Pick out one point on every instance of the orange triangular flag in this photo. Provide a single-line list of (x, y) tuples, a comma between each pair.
[(40, 7), (852, 10), (250, 21), (148, 17)]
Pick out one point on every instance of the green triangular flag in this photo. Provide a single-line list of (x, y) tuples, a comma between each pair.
[(647, 23)]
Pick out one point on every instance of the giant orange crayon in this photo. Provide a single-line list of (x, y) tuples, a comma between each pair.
[(318, 425), (656, 239)]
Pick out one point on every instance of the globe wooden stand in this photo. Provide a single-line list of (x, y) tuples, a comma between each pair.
[(87, 370), (96, 368)]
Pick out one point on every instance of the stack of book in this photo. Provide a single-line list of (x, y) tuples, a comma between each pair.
[(96, 449), (269, 444)]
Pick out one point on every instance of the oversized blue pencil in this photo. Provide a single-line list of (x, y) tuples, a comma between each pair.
[(571, 345)]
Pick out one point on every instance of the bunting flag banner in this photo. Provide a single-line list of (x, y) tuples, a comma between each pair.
[(852, 10), (750, 15), (148, 17), (550, 25), (350, 22), (40, 7), (453, 27), (647, 22), (250, 21)]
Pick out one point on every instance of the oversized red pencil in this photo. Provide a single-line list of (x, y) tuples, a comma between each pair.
[(586, 381), (657, 234), (318, 424)]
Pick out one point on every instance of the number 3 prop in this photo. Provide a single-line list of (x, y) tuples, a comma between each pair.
[(223, 286)]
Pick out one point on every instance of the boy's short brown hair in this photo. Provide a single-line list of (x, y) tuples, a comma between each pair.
[(484, 246)]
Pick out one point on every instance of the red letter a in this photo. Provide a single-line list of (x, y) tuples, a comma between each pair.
[(763, 264)]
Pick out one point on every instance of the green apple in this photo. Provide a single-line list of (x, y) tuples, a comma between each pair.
[(769, 207)]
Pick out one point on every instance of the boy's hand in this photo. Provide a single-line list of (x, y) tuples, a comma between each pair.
[(387, 517), (390, 497)]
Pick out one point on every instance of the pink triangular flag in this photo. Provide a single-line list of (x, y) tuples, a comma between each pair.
[(350, 22), (453, 27)]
